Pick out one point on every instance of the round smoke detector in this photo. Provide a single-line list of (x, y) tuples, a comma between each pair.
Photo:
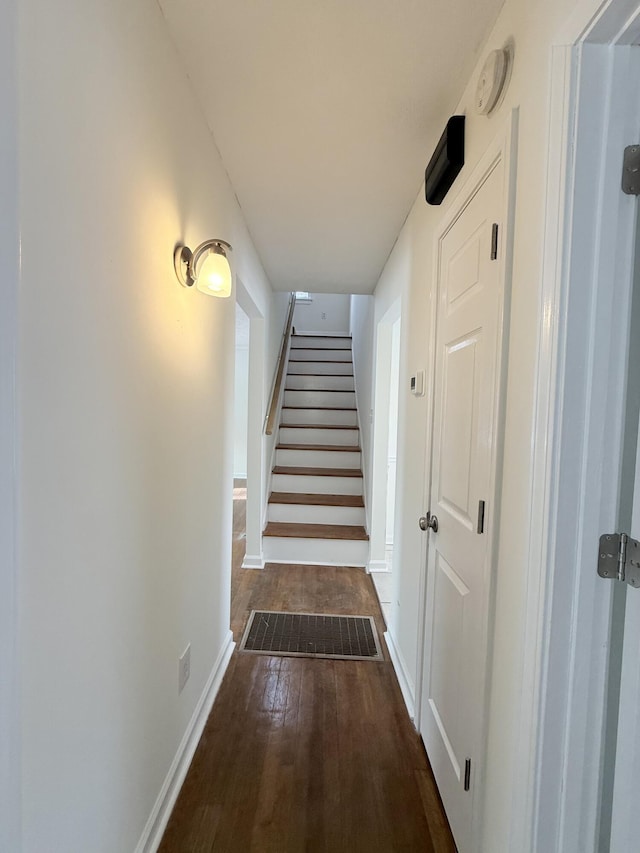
[(492, 80)]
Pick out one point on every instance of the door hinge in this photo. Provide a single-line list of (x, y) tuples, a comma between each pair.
[(631, 170), (619, 558), (494, 241), (467, 774), (480, 527)]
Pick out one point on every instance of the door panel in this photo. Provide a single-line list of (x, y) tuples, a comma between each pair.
[(466, 384), (456, 450), (464, 272), (448, 675)]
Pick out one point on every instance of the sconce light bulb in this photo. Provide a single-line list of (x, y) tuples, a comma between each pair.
[(214, 275)]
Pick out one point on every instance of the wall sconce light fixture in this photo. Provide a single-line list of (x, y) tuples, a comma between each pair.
[(207, 267)]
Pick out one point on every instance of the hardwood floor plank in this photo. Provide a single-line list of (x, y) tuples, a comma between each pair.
[(438, 825)]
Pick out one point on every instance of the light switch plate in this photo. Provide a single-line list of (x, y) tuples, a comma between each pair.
[(417, 384)]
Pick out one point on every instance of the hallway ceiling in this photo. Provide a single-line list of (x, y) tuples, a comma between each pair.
[(324, 113)]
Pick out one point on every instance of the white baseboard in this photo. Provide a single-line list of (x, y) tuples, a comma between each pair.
[(250, 562), (378, 566), (161, 812), (401, 675)]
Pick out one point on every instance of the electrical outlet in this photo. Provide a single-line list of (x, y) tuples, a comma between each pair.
[(184, 668), (324, 316)]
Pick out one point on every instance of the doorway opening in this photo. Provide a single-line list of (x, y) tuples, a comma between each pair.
[(385, 443), (241, 402)]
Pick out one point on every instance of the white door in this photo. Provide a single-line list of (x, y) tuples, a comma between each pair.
[(625, 822), (625, 825), (464, 455)]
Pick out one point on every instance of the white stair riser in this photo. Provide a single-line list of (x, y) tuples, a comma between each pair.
[(313, 514), (321, 399), (319, 458), (343, 367), (320, 355), (330, 552), (318, 416), (316, 485), (344, 437), (329, 342), (313, 383)]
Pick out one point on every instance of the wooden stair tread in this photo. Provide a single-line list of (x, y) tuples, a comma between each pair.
[(316, 426), (337, 448), (315, 500), (325, 408), (322, 360), (315, 531), (326, 375), (322, 349), (317, 472), (321, 337), (323, 390)]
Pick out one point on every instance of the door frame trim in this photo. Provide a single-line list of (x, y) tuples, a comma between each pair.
[(10, 648), (503, 148), (382, 378), (257, 479), (577, 434)]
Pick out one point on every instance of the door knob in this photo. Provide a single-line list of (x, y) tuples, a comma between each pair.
[(428, 522)]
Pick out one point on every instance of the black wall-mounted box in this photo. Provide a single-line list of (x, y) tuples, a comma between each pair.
[(446, 161)]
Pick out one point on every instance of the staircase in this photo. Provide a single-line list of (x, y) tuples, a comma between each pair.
[(316, 508)]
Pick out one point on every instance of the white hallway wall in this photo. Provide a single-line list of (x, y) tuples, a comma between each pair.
[(394, 393), (241, 394), (9, 275), (409, 274), (126, 392), (325, 313)]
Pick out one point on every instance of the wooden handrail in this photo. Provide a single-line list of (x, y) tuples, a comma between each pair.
[(282, 358)]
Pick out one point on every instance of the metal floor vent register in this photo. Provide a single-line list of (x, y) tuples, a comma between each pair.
[(317, 635)]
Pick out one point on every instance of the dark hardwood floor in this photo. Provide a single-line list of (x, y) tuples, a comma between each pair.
[(306, 755)]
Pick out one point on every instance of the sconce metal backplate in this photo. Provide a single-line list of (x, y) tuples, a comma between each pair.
[(631, 170), (181, 261)]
